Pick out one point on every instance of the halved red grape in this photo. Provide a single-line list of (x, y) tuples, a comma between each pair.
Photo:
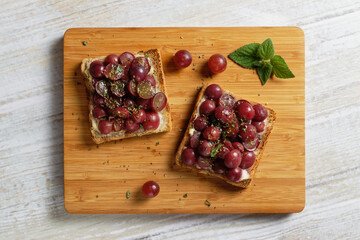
[(129, 103), (223, 151), (150, 189), (260, 112), (120, 112), (151, 79), (226, 100), (245, 111), (125, 79), (158, 102), (247, 132), (145, 90), (131, 86), (112, 102), (204, 162), (253, 144), (182, 58), (142, 61), (137, 72), (131, 126), (227, 144), (195, 140), (101, 88), (217, 63), (105, 126), (98, 112), (248, 159), (118, 88), (205, 148), (188, 156), (200, 123), (138, 115), (112, 58), (213, 91), (118, 124), (97, 69), (234, 174), (260, 126), (207, 107), (238, 146), (152, 121), (114, 71), (144, 103), (224, 114), (233, 159), (232, 130), (126, 59), (219, 167), (98, 100), (212, 133)]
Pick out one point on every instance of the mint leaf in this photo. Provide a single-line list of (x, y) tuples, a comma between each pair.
[(280, 68), (264, 72), (215, 150), (266, 50), (246, 55), (249, 49), (244, 61)]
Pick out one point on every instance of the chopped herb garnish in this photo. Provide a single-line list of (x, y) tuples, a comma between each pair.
[(75, 128), (72, 114), (89, 149), (78, 83), (78, 119), (185, 195), (157, 143), (207, 203), (84, 43), (193, 69), (97, 196), (148, 147), (147, 56), (215, 150), (193, 64), (128, 194), (75, 73)]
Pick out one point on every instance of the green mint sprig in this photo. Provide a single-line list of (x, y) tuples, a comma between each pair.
[(262, 58)]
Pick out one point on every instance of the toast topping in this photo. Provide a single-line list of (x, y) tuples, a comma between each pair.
[(225, 135), (125, 95)]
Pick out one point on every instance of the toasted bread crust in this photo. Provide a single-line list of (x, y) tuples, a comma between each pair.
[(243, 183), (158, 73)]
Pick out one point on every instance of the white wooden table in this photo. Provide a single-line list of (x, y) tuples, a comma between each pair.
[(31, 147)]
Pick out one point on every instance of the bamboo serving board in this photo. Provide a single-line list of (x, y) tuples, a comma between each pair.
[(97, 177)]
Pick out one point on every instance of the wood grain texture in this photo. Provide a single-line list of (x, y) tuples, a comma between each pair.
[(31, 158), (96, 178)]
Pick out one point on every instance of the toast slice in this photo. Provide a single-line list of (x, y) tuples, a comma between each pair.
[(247, 174), (154, 57)]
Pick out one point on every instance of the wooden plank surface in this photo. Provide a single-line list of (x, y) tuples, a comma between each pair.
[(96, 178), (31, 98)]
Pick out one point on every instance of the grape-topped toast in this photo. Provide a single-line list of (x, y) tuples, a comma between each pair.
[(225, 137), (127, 95)]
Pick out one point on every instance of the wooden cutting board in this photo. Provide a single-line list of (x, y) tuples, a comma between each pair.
[(96, 178)]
